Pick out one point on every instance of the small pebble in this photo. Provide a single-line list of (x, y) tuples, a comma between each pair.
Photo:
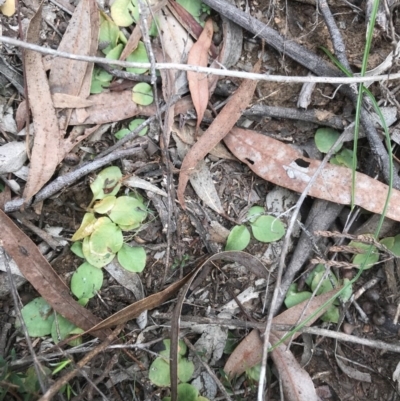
[(367, 307), (391, 310), (372, 294), (348, 328), (378, 318)]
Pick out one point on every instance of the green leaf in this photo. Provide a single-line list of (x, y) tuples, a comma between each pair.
[(114, 53), (121, 133), (254, 373), (268, 229), (326, 284), (343, 158), (61, 329), (187, 392), (325, 138), (76, 248), (159, 373), (108, 35), (331, 315), (105, 205), (182, 348), (142, 94), (86, 281), (125, 12), (238, 239), (293, 297), (100, 248), (255, 212), (392, 243), (139, 55), (87, 227), (100, 80), (362, 259), (132, 258), (38, 317), (106, 183), (128, 211), (135, 123), (194, 7), (185, 370)]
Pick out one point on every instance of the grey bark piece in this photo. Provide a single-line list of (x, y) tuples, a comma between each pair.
[(321, 216)]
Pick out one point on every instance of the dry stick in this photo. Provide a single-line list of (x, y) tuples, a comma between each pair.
[(70, 178), (53, 390), (314, 116), (208, 369), (315, 64), (36, 364), (222, 72)]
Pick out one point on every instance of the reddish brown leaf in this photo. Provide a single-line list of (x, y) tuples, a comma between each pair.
[(296, 382), (222, 124), (67, 75), (43, 278), (21, 115), (198, 83), (48, 136), (285, 166)]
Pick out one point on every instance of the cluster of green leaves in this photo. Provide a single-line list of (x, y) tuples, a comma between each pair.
[(112, 43), (98, 240), (159, 373), (265, 228), (314, 280), (325, 138), (131, 127), (102, 236), (366, 257)]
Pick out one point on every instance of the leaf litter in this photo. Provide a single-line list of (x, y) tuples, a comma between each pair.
[(77, 107)]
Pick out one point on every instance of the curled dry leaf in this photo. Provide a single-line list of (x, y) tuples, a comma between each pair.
[(48, 136), (221, 125), (285, 166), (198, 83)]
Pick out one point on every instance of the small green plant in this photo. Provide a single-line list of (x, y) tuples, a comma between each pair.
[(159, 373), (325, 138), (265, 228), (131, 127), (314, 280)]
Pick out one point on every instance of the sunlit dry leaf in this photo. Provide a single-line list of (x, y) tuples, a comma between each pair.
[(283, 165), (8, 8), (41, 275), (221, 125), (198, 84), (67, 75), (48, 137)]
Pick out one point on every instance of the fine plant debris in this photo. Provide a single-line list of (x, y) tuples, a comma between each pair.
[(199, 200)]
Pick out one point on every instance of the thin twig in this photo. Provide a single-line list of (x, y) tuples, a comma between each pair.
[(206, 70)]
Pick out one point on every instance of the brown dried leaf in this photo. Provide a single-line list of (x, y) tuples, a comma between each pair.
[(94, 42), (296, 382), (37, 270), (132, 43), (62, 100), (21, 116), (198, 83), (285, 166), (222, 124), (48, 137), (67, 75), (112, 106)]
